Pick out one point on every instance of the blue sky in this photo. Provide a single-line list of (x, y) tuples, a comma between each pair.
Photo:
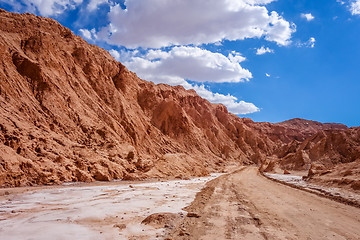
[(270, 60)]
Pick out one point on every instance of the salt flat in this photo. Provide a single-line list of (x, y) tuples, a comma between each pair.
[(94, 212)]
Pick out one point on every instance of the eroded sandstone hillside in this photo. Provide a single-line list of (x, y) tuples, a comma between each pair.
[(331, 157)]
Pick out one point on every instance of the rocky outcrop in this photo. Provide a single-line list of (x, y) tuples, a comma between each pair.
[(330, 157), (325, 148), (342, 175)]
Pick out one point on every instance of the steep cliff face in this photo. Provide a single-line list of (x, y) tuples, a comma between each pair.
[(330, 157), (324, 148), (70, 112)]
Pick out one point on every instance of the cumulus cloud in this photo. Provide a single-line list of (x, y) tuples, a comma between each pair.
[(46, 7), (231, 102), (308, 16), (185, 62), (258, 2), (263, 50), (85, 33), (279, 30), (93, 4), (161, 23), (355, 7), (88, 34), (115, 54)]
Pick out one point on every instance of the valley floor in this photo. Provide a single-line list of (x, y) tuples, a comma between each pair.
[(112, 210), (246, 205), (240, 205)]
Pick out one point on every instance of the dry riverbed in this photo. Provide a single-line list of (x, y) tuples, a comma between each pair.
[(113, 211)]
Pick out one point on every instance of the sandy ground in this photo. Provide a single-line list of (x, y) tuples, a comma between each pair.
[(246, 205), (92, 211)]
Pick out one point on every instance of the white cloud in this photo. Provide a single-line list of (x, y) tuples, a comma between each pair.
[(46, 7), (88, 34), (259, 2), (352, 5), (355, 7), (308, 16), (309, 43), (280, 30), (93, 4), (192, 63), (231, 102), (160, 23), (263, 50), (85, 33), (115, 54), (267, 75)]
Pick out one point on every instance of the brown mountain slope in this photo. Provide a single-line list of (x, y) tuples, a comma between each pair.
[(70, 112), (294, 129), (312, 125), (325, 148), (331, 157)]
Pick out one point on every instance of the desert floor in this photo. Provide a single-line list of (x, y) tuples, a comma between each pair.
[(240, 205), (92, 211)]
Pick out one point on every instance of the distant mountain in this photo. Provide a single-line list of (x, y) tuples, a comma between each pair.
[(312, 125), (294, 129)]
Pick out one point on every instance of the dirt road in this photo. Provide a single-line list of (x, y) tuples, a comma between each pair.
[(246, 205)]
